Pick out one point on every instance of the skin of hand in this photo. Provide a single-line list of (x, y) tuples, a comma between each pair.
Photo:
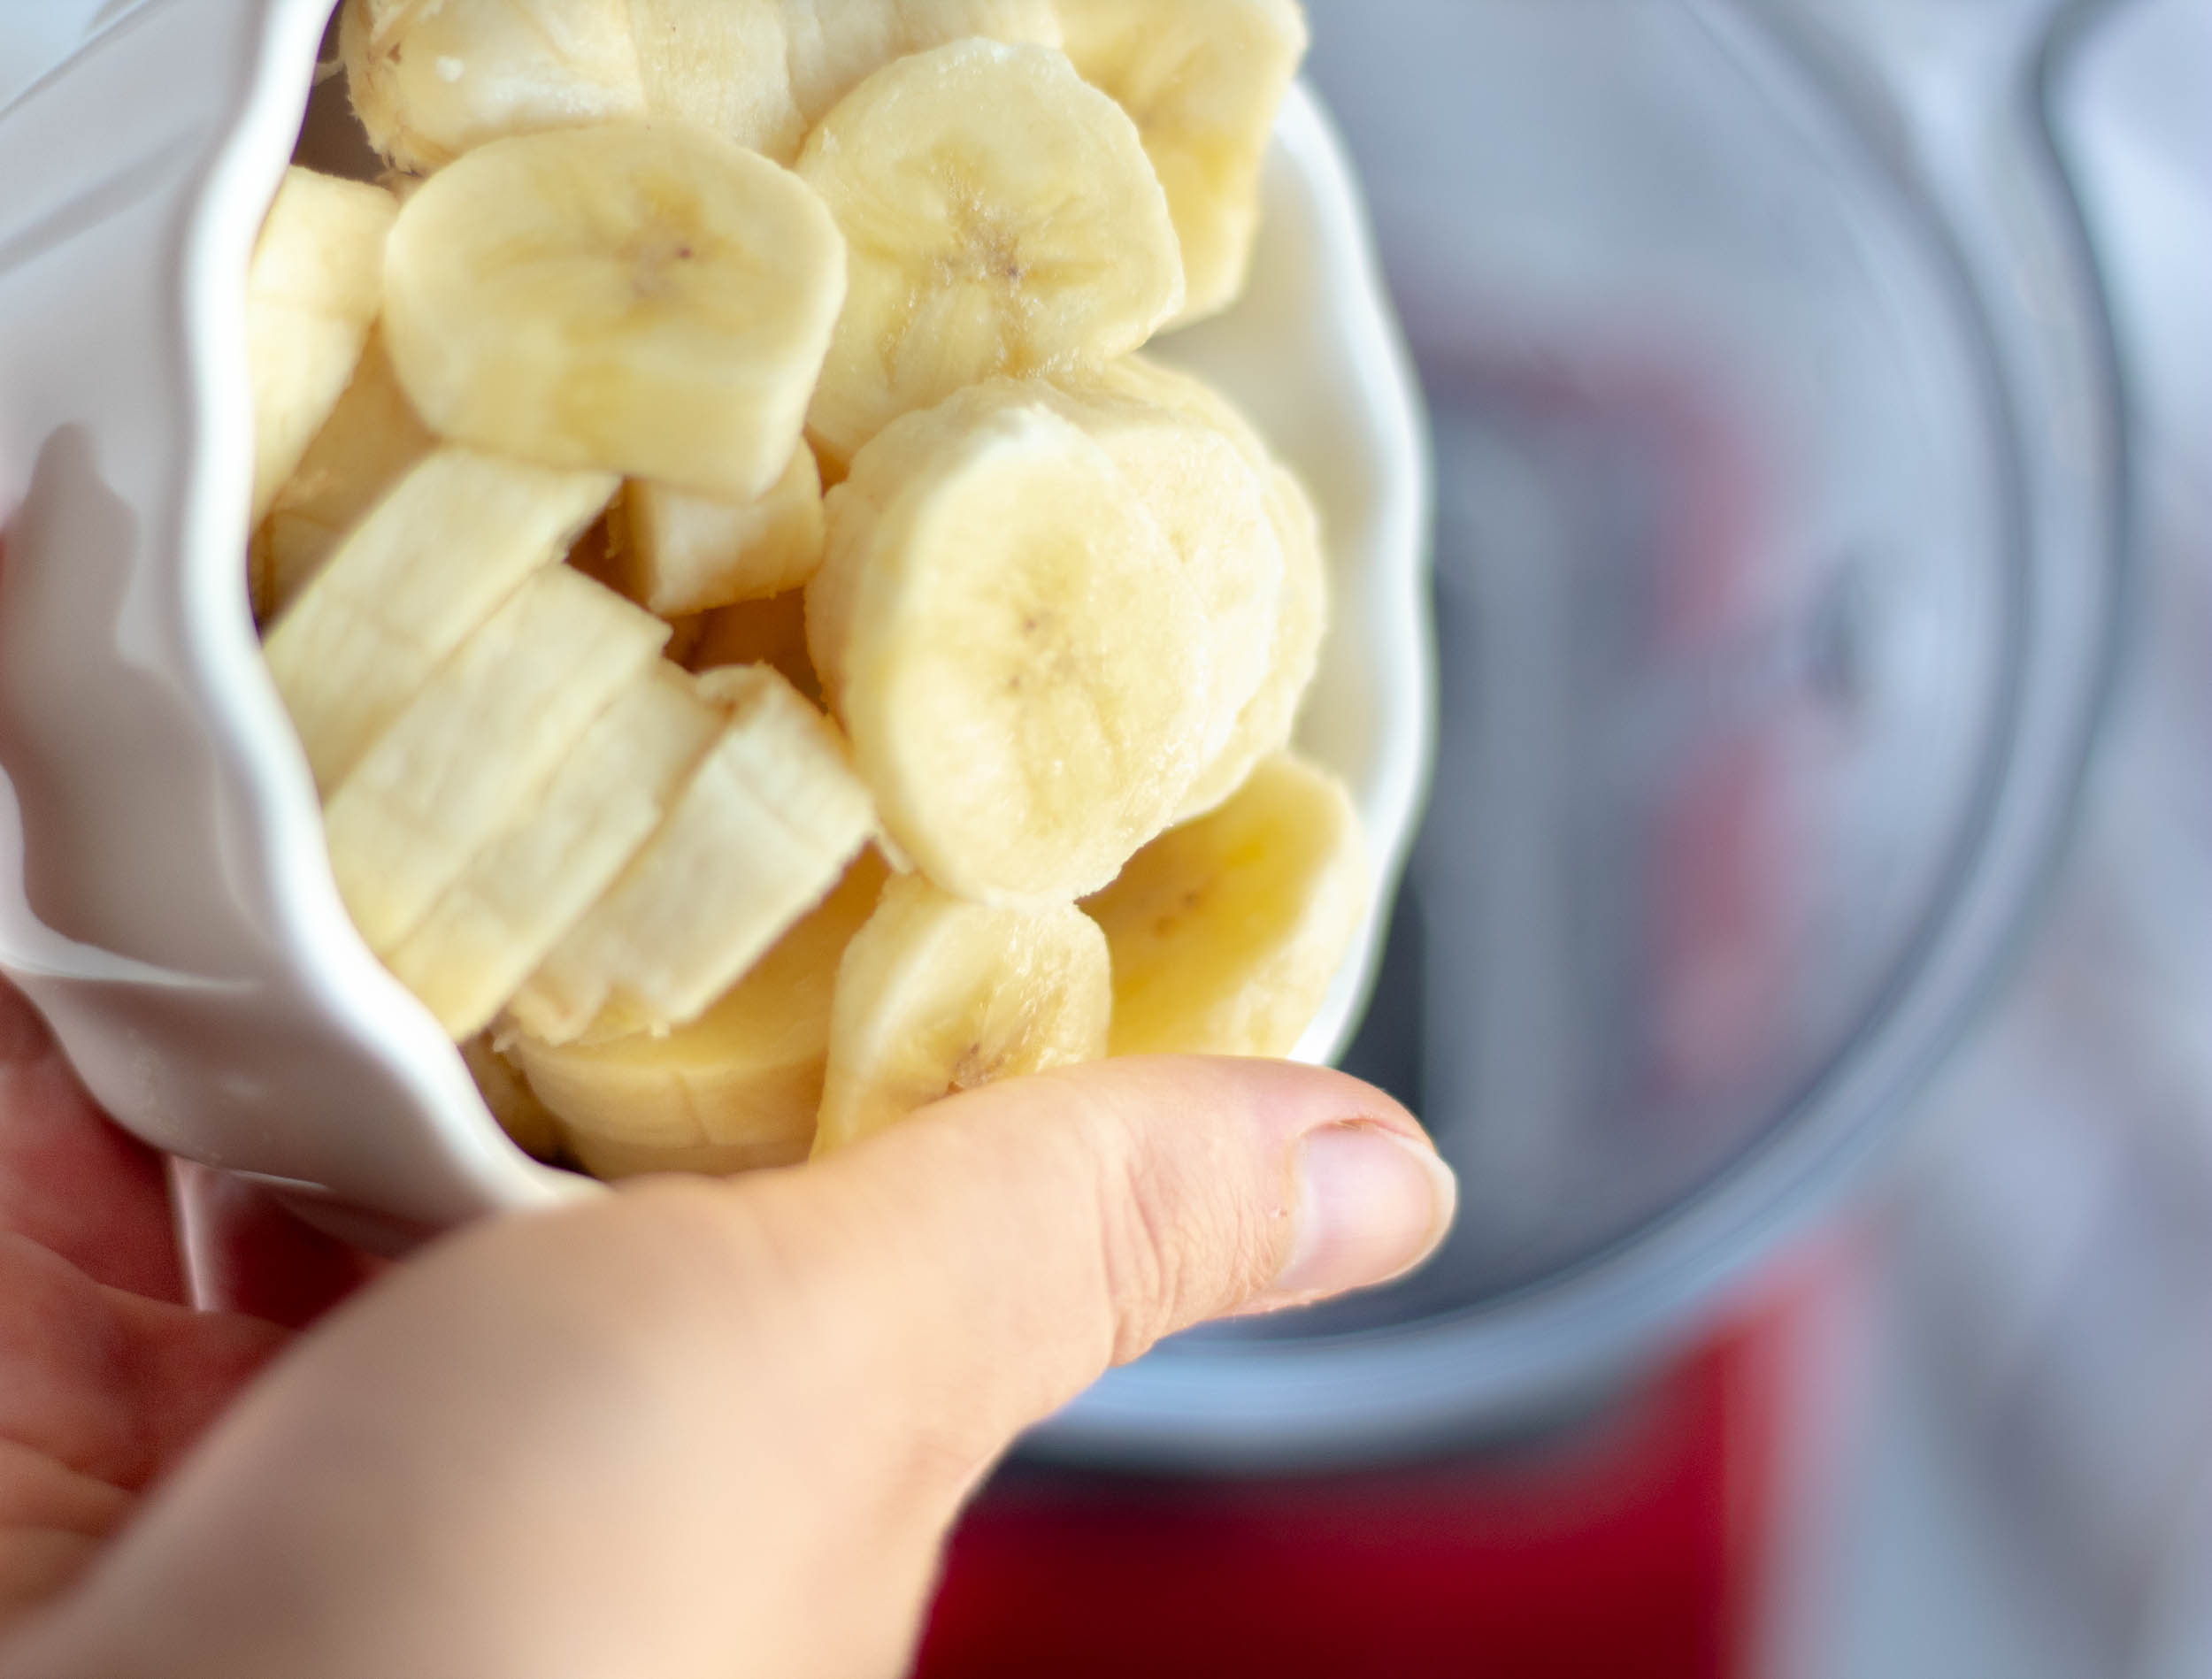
[(688, 1430)]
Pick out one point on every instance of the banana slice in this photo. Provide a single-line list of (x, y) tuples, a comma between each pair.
[(521, 1115), (1226, 932), (311, 295), (756, 841), (477, 744), (433, 78), (937, 996), (643, 298), (517, 898), (1010, 643), (770, 633), (450, 540), (372, 439), (1002, 219), (740, 1084), (1203, 79), (763, 73), (679, 554)]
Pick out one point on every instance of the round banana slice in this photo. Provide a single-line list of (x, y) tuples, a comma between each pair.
[(1203, 79), (1225, 932), (432, 81), (936, 996), (1002, 219), (739, 1086), (644, 298), (1014, 650)]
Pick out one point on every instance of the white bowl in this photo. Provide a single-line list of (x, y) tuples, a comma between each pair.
[(166, 898)]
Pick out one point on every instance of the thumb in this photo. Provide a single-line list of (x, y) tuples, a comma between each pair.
[(721, 1428)]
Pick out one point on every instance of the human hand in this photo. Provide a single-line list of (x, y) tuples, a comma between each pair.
[(690, 1429)]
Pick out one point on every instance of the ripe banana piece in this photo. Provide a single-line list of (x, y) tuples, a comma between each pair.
[(1002, 219), (525, 1119), (1225, 932), (741, 1082), (313, 292), (559, 853), (477, 744), (763, 73), (761, 834), (936, 996), (677, 554), (448, 542), (770, 633), (1203, 79), (1014, 650), (641, 298), (372, 437), (433, 78)]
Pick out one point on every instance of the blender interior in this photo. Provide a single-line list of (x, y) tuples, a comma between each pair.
[(1738, 595)]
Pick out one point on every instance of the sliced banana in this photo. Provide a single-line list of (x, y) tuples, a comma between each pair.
[(757, 840), (477, 744), (679, 554), (1203, 79), (1014, 650), (643, 298), (525, 1120), (770, 633), (763, 73), (741, 1082), (1002, 219), (311, 295), (1226, 932), (558, 852), (936, 996), (448, 544), (372, 439), (433, 78)]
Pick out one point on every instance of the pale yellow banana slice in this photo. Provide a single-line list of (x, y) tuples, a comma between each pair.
[(311, 295), (1203, 79), (433, 78), (448, 542), (770, 633), (765, 72), (644, 298), (1226, 932), (1012, 645), (1002, 219), (562, 849), (526, 1120), (756, 841), (936, 996), (477, 744), (678, 554), (740, 1085), (372, 439)]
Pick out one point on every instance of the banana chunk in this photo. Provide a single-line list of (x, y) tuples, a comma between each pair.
[(517, 898), (763, 73), (1002, 219), (477, 744), (1226, 932), (1015, 652), (936, 996), (372, 439), (525, 1120), (451, 539), (756, 841), (641, 298), (677, 554), (1203, 79), (311, 295), (431, 81), (738, 1087)]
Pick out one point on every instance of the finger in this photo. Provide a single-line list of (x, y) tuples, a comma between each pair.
[(708, 1429), (245, 1252), (70, 1181)]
